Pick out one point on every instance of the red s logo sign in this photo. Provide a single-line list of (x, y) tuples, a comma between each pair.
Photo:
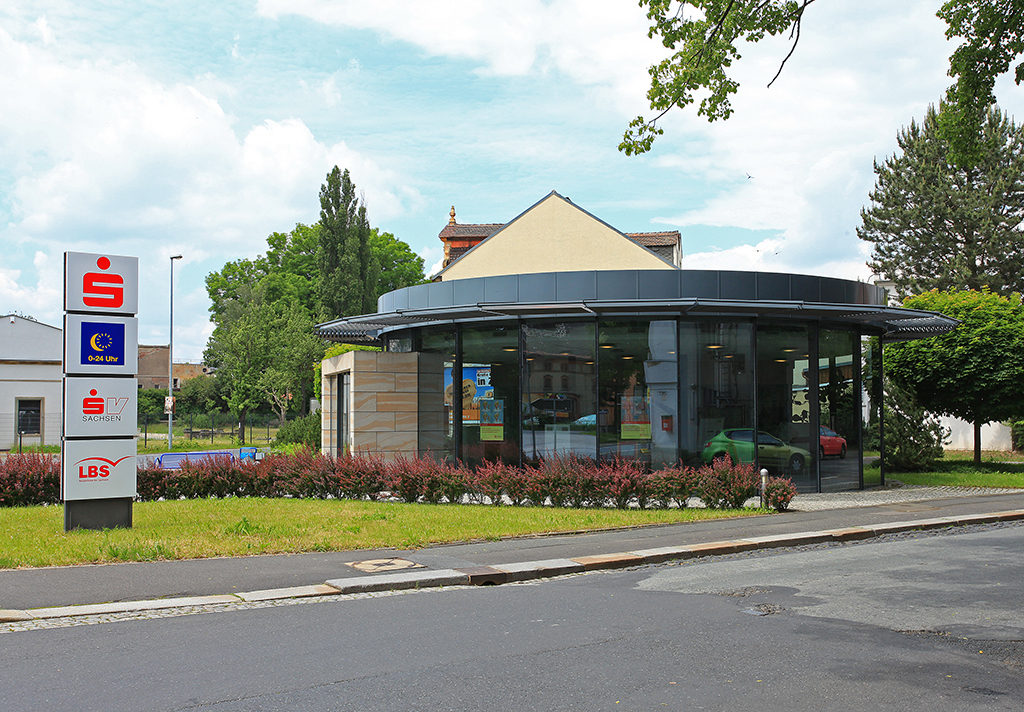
[(103, 290)]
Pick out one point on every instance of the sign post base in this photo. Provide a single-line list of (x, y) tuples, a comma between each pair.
[(98, 513)]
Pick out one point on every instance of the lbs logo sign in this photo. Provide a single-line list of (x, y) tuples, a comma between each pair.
[(92, 468), (98, 469)]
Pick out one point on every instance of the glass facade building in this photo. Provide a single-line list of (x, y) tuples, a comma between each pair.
[(660, 366)]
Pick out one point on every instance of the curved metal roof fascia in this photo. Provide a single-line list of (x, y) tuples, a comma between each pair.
[(896, 322)]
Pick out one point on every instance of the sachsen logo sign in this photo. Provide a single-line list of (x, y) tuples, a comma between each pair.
[(107, 284), (100, 407)]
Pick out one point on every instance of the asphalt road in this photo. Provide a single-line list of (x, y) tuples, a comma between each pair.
[(808, 629)]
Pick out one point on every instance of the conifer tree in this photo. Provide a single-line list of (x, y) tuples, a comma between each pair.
[(937, 226), (347, 269)]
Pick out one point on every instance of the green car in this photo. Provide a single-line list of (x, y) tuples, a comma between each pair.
[(774, 455)]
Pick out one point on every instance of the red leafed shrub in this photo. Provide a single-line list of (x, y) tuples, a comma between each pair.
[(626, 480), (362, 476), (675, 483), (29, 479), (778, 493), (490, 481), (724, 485)]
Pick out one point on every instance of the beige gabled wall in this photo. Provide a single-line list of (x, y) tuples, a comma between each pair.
[(553, 236)]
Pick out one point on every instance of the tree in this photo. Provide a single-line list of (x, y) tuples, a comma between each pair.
[(976, 371), (347, 273), (993, 34), (274, 339), (288, 273), (198, 395), (399, 265), (936, 226), (705, 43)]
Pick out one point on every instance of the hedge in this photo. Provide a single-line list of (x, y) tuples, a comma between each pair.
[(560, 481)]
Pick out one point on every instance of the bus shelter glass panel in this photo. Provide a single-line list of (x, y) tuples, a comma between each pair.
[(559, 396), (638, 372), (786, 443), (490, 394), (839, 418), (716, 380), (871, 411), (437, 413)]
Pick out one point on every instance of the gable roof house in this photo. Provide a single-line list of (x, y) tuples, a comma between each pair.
[(552, 234)]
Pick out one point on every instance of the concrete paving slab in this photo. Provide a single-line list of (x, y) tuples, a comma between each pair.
[(527, 570), (273, 594), (128, 606), (396, 582)]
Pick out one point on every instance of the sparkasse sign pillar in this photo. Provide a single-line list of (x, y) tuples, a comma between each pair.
[(101, 348)]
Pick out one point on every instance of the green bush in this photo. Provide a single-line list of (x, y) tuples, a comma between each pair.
[(301, 431), (913, 439)]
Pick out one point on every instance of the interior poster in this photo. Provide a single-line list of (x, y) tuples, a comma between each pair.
[(492, 419), (636, 418)]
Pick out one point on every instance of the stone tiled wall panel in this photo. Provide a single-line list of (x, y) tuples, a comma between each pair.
[(371, 381), (397, 401)]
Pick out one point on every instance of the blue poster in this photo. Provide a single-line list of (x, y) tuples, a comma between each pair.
[(102, 344)]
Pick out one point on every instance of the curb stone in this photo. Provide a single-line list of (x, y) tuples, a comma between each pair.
[(523, 571)]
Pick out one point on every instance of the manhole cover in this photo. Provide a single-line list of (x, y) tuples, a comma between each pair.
[(373, 566)]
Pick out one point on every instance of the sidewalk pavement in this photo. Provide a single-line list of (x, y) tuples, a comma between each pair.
[(58, 592)]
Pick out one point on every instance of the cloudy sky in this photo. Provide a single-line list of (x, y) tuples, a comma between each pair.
[(152, 128)]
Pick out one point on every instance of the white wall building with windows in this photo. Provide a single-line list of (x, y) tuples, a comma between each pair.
[(30, 382)]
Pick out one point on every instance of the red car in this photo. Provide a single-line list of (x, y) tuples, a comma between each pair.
[(830, 443)]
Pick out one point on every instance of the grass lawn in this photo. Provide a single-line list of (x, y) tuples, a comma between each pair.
[(188, 529), (957, 469)]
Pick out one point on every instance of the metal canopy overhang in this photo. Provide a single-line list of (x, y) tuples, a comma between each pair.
[(895, 323)]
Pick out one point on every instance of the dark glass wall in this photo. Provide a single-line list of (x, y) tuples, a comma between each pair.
[(639, 397), (783, 395), (559, 396), (717, 393), (438, 400), (838, 408), (490, 394), (785, 407)]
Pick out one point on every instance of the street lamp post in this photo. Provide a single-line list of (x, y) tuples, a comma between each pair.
[(170, 364)]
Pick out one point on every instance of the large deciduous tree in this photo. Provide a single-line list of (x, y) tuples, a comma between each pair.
[(266, 354), (936, 226), (399, 266), (704, 36), (347, 271), (976, 371)]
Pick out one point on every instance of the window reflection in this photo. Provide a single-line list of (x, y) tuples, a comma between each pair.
[(785, 444), (559, 416), (490, 392), (717, 385), (639, 397), (436, 415), (839, 431)]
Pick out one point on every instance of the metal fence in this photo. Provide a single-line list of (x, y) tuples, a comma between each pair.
[(209, 428)]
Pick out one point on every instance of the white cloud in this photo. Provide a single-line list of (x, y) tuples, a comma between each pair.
[(102, 157), (600, 43)]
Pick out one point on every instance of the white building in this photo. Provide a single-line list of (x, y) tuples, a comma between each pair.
[(30, 382)]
